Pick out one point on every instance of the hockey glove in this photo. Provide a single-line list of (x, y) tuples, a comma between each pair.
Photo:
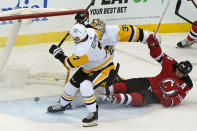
[(56, 51), (166, 101), (152, 41), (81, 18)]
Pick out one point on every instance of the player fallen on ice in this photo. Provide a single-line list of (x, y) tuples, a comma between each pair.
[(168, 88), (95, 64)]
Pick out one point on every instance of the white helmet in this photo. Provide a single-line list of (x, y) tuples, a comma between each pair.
[(78, 33)]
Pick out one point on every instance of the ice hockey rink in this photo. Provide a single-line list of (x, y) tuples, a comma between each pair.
[(19, 112)]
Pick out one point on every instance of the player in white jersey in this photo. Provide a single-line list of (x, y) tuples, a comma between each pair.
[(95, 67), (109, 35)]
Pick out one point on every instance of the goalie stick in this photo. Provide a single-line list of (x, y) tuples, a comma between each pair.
[(178, 4), (164, 12)]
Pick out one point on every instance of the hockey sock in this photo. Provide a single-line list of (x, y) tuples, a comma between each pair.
[(68, 94), (193, 33), (128, 99), (86, 89)]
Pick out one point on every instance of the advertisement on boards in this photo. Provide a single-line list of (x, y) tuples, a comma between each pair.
[(120, 10), (108, 10), (18, 4), (137, 12), (25, 4)]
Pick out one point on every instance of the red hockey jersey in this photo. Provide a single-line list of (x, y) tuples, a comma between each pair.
[(169, 89)]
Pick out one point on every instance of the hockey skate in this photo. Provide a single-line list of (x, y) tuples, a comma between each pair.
[(185, 43), (91, 119), (58, 108), (107, 98)]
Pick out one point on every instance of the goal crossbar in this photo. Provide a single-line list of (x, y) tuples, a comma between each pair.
[(36, 15)]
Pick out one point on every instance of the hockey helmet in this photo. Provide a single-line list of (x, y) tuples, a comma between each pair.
[(78, 33), (81, 18), (184, 67)]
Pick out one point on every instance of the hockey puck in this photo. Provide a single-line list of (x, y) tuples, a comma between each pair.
[(36, 99)]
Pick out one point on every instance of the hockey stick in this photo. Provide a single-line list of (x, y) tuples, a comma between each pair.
[(164, 12), (85, 11), (67, 76), (193, 3), (178, 4)]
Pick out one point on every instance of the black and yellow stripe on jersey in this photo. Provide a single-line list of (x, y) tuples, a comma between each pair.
[(75, 61), (98, 67), (129, 33)]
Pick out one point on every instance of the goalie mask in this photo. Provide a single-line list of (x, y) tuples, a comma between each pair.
[(184, 67), (78, 33), (98, 24)]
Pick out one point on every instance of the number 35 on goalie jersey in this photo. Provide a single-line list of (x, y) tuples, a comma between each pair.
[(129, 33), (121, 33), (89, 54)]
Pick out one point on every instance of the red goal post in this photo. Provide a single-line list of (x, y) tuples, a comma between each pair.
[(26, 36), (35, 13)]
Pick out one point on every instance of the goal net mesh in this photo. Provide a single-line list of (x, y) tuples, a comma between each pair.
[(35, 37)]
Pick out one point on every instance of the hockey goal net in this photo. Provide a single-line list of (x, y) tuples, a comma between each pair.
[(26, 36)]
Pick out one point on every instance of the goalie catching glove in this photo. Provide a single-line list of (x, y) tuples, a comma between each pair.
[(56, 51)]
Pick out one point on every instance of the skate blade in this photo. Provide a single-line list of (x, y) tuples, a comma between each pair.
[(94, 123), (189, 47)]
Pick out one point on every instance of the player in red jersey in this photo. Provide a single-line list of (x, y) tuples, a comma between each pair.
[(169, 87)]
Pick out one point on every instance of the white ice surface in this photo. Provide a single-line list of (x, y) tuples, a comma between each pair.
[(134, 61)]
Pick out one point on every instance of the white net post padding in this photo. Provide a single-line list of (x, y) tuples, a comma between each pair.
[(9, 45), (28, 42)]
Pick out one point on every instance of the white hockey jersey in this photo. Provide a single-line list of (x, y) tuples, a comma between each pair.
[(89, 54), (120, 33), (110, 37)]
